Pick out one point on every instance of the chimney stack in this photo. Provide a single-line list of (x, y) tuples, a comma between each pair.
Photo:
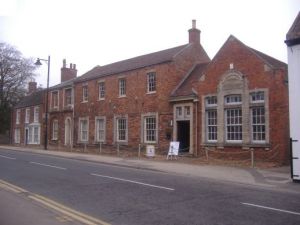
[(194, 34), (68, 73), (32, 86)]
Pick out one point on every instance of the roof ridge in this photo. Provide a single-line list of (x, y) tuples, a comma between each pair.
[(262, 56), (133, 63)]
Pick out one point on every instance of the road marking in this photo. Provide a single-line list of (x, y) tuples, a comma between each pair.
[(68, 214), (11, 187), (42, 164), (132, 181), (270, 208), (71, 213), (6, 157)]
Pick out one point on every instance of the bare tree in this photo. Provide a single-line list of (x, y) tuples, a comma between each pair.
[(15, 72)]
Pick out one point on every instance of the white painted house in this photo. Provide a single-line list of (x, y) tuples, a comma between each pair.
[(293, 46)]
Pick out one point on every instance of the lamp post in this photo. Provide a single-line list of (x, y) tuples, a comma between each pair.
[(38, 63)]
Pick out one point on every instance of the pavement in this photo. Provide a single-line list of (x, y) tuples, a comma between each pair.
[(276, 177)]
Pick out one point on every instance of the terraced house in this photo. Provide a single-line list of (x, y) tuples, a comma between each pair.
[(233, 103)]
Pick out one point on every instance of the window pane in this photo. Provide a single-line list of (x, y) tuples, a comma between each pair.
[(234, 124), (258, 96), (151, 77), (233, 99), (211, 101), (85, 93), (84, 130), (122, 87), (258, 124), (101, 90), (100, 130), (211, 126), (68, 97), (36, 114), (122, 129), (150, 129), (179, 111)]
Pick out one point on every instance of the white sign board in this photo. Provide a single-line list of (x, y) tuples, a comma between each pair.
[(150, 150), (174, 148)]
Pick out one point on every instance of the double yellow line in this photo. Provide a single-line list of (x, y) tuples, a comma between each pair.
[(68, 212)]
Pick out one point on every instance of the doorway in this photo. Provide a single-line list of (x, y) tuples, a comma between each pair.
[(183, 135), (26, 135)]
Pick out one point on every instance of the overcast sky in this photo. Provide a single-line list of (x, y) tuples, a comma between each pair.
[(99, 32)]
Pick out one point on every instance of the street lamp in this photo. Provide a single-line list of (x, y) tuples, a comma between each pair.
[(38, 63)]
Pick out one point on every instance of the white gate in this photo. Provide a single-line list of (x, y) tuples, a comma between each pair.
[(295, 145)]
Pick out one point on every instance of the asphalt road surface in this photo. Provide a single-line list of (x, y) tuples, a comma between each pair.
[(123, 195)]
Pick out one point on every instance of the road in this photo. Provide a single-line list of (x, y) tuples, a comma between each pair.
[(123, 195)]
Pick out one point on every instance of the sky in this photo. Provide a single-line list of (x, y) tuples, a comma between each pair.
[(98, 32)]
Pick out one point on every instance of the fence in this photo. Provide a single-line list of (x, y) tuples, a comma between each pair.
[(242, 156)]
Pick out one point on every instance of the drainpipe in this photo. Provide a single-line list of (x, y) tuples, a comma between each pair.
[(73, 124), (196, 133)]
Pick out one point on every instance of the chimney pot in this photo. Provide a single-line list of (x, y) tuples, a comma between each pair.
[(64, 63), (194, 24), (74, 66)]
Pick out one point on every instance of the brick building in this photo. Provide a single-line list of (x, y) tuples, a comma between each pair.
[(27, 120), (61, 107), (127, 102), (240, 102), (235, 102)]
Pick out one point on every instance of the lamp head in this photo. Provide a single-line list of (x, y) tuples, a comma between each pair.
[(38, 62)]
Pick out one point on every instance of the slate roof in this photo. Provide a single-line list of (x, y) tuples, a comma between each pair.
[(294, 31), (185, 87), (35, 98), (133, 63), (64, 84)]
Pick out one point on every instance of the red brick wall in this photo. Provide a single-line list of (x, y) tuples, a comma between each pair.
[(22, 124), (253, 68), (137, 101)]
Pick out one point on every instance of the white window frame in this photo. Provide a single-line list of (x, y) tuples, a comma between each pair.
[(66, 104), (17, 135), (97, 129), (187, 111), (101, 90), (34, 134), (27, 115), (122, 87), (55, 129), (257, 97), (117, 130), (55, 101), (80, 130), (152, 129), (36, 116), (179, 112), (85, 93), (151, 82), (211, 101), (234, 125), (234, 99), (211, 122), (18, 116), (262, 125)]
